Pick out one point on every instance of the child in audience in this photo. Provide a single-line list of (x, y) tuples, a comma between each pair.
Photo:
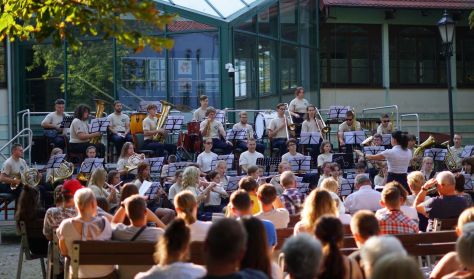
[(186, 208), (409, 211), (280, 217), (250, 185)]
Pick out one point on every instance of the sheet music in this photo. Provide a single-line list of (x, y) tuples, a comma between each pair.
[(174, 123), (468, 182), (386, 139), (300, 163), (229, 159), (310, 137), (91, 164), (55, 161), (233, 183), (438, 154), (269, 164), (354, 137), (99, 125), (373, 150), (66, 123), (346, 161), (236, 134), (144, 188), (467, 151), (338, 112), (156, 163), (220, 116)]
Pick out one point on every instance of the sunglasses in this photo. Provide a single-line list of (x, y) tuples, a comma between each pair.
[(386, 121)]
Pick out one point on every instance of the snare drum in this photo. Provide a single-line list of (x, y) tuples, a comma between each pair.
[(136, 122), (262, 122), (193, 127)]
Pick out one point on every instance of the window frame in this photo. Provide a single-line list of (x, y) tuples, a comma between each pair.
[(463, 33)]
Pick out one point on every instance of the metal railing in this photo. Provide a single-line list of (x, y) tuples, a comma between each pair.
[(25, 133), (408, 115), (384, 108)]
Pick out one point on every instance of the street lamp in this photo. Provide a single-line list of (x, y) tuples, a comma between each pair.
[(446, 30)]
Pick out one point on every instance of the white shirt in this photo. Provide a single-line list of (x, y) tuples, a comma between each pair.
[(298, 105), (118, 122), (398, 159), (274, 124), (343, 127), (288, 157), (215, 196), (199, 114), (199, 230), (382, 130), (364, 198), (54, 119), (205, 159), (78, 126), (248, 127), (12, 167), (310, 126), (174, 190), (249, 158), (280, 217), (215, 127), (178, 270), (149, 124), (323, 157)]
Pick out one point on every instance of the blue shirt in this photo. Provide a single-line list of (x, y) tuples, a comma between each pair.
[(271, 232)]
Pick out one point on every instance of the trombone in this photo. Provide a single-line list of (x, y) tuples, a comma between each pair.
[(323, 128), (290, 126)]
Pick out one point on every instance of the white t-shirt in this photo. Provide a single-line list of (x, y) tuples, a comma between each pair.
[(149, 124), (280, 217), (118, 122), (178, 270), (249, 158), (216, 195), (215, 127), (343, 127), (323, 157), (382, 130), (309, 126), (274, 124), (54, 119), (204, 160), (298, 105), (174, 190), (78, 126), (12, 167), (199, 230), (199, 114), (398, 159), (248, 127), (287, 156)]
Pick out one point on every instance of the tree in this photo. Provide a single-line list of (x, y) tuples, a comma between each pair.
[(471, 20), (68, 20)]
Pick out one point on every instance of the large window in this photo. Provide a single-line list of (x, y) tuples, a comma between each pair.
[(289, 63), (465, 57), (245, 47), (351, 55), (415, 58)]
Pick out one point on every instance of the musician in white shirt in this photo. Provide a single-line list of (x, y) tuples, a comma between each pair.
[(348, 125), (277, 130), (52, 124), (80, 135), (243, 125), (249, 157), (150, 130), (13, 167), (385, 126), (457, 149), (213, 129), (119, 127), (205, 158), (291, 145), (297, 108), (200, 113)]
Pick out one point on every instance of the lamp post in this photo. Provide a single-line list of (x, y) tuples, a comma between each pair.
[(446, 30)]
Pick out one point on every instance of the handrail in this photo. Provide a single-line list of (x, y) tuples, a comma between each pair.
[(386, 107), (24, 124), (417, 123), (20, 134)]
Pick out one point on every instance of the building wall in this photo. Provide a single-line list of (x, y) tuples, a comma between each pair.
[(4, 115)]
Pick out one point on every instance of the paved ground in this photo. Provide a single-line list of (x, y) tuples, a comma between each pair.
[(9, 250)]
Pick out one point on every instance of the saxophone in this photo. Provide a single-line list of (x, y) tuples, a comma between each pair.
[(99, 110)]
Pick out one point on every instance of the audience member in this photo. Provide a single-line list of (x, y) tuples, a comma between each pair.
[(86, 226), (301, 257), (377, 247), (415, 180), (364, 225), (446, 205), (276, 180), (459, 188), (335, 265), (331, 185), (278, 216), (393, 221), (400, 267), (364, 198), (318, 203), (186, 207), (465, 251), (250, 185), (291, 197), (170, 255), (224, 249)]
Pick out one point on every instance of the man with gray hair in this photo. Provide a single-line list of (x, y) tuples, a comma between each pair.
[(376, 247), (364, 198), (446, 205), (301, 256)]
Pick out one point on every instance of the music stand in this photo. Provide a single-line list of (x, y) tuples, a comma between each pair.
[(354, 137), (303, 188), (236, 134), (99, 125), (229, 159), (373, 150), (173, 167), (220, 116), (150, 189), (233, 183), (346, 188), (467, 151), (55, 161), (156, 163), (386, 139), (438, 154), (174, 123), (345, 160), (66, 123), (335, 112), (269, 164), (300, 164), (310, 137), (91, 164), (468, 182)]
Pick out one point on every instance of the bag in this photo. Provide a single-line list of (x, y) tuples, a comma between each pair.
[(50, 133)]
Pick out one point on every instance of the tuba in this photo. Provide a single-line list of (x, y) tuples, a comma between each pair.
[(449, 159), (165, 111), (419, 151), (31, 177), (99, 110)]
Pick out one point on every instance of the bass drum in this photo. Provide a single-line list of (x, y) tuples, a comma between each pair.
[(262, 122), (136, 122)]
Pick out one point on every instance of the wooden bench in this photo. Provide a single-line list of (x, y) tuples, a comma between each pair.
[(444, 224), (293, 220)]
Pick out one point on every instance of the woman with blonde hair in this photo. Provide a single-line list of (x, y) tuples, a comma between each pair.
[(415, 180), (127, 151), (193, 184), (331, 185), (186, 207), (98, 184), (318, 203)]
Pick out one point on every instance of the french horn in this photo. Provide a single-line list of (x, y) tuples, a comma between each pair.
[(65, 170), (31, 177), (133, 161)]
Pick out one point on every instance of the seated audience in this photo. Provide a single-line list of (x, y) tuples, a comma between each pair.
[(364, 198), (291, 197), (377, 247), (86, 226), (257, 254), (134, 207), (250, 185), (446, 205), (415, 180), (224, 249), (335, 265), (401, 267), (266, 195), (186, 208), (331, 185), (459, 188), (364, 225), (450, 262), (240, 205), (317, 204), (301, 257), (465, 252), (393, 221), (103, 204), (171, 253), (275, 181), (409, 211)]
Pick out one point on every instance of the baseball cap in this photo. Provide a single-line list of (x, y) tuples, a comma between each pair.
[(71, 186)]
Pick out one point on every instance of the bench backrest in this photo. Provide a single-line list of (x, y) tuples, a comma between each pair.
[(196, 252), (444, 224)]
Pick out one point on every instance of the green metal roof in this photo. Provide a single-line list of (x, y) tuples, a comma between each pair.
[(221, 10)]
